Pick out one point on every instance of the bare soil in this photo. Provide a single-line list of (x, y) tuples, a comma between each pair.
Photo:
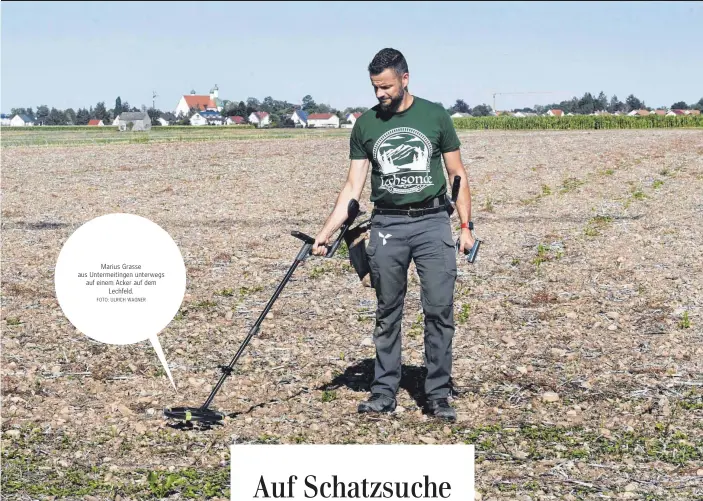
[(578, 351)]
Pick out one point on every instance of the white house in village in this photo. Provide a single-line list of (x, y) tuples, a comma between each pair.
[(211, 102), (162, 121), (198, 119), (5, 119), (459, 114), (21, 121), (351, 117), (260, 119), (300, 118), (323, 120)]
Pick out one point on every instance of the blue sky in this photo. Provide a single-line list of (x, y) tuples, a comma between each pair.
[(74, 54)]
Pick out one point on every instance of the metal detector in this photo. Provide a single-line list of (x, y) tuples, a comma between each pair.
[(204, 414)]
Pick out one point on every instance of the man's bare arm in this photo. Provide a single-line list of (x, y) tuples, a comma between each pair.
[(455, 167), (356, 178)]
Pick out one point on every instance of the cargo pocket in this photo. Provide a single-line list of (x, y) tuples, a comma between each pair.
[(450, 254)]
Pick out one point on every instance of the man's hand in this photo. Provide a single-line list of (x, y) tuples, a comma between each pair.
[(466, 240), (319, 248)]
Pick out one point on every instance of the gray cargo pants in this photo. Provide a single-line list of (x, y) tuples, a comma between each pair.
[(394, 241)]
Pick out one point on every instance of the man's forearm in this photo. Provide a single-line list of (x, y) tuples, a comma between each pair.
[(463, 203), (339, 213)]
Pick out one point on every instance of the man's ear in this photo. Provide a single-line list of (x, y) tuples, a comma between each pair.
[(405, 79)]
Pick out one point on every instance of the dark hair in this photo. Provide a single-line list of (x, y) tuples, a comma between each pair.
[(388, 58)]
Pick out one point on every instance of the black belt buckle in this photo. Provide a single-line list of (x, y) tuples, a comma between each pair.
[(415, 212)]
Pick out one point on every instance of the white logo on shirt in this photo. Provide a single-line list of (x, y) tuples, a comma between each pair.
[(403, 155), (384, 237)]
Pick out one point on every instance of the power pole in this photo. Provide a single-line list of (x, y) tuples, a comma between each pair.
[(153, 100)]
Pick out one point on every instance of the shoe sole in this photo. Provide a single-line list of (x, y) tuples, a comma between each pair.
[(371, 411)]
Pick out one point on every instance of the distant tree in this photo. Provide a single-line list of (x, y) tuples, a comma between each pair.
[(698, 106), (242, 110), (118, 107), (633, 103), (70, 116), (82, 116), (355, 109), (586, 105), (55, 117), (309, 104), (125, 107), (22, 111), (615, 105), (42, 113), (100, 112), (154, 114), (481, 110), (601, 103), (268, 105), (460, 106), (252, 102), (680, 105)]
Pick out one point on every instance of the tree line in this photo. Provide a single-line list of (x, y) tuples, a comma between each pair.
[(585, 105), (280, 111)]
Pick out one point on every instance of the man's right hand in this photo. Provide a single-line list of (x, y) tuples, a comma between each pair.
[(319, 248)]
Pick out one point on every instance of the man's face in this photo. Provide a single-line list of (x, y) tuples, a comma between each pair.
[(389, 89)]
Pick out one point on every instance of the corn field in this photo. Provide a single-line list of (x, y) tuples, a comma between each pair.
[(578, 122)]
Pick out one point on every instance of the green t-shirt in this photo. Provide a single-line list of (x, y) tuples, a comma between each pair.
[(405, 150)]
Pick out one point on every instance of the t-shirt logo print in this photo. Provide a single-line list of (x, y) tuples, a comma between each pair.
[(403, 155)]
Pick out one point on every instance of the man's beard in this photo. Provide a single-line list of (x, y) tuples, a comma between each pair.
[(393, 105)]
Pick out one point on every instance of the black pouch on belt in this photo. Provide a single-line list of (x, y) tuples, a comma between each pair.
[(356, 244)]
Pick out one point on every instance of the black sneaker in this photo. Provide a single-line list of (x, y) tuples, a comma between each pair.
[(440, 408), (378, 403)]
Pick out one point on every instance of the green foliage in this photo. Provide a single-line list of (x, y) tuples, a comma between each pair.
[(596, 224), (638, 195), (329, 396), (464, 313), (685, 322), (343, 250), (163, 485), (577, 122), (418, 326), (13, 321)]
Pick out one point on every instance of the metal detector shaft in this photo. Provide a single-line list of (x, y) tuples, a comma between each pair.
[(252, 332), (308, 242)]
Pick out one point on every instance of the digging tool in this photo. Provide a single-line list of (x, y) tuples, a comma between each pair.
[(204, 414)]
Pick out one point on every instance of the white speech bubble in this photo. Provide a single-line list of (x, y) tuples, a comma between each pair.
[(120, 279)]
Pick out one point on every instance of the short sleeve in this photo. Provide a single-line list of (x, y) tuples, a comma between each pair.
[(448, 140), (356, 144)]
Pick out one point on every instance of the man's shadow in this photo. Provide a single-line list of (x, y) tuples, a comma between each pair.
[(358, 377)]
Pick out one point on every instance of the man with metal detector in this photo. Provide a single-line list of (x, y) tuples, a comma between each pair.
[(405, 138)]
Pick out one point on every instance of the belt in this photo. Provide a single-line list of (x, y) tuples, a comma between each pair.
[(433, 206)]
